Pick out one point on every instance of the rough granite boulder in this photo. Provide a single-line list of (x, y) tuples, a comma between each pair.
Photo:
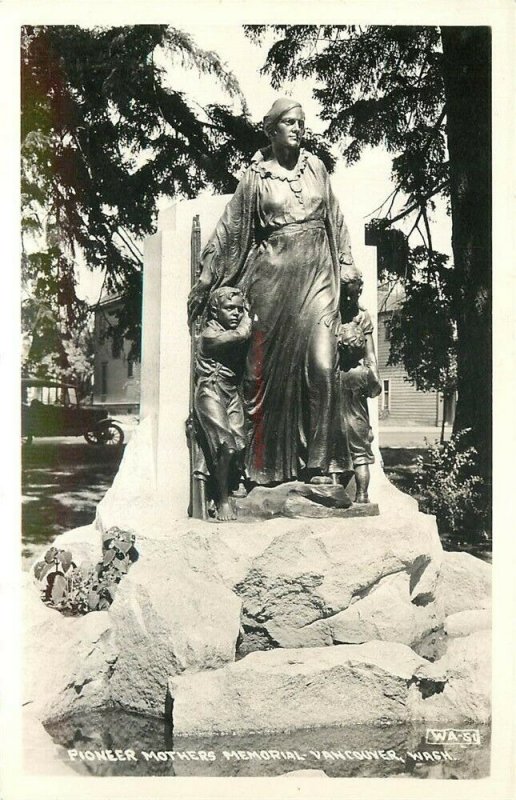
[(179, 606), (458, 686), (462, 623), (68, 660), (385, 613), (167, 620), (305, 688), (292, 574), (464, 583), (316, 570), (200, 591)]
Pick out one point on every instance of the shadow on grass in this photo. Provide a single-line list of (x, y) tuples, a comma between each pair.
[(62, 483)]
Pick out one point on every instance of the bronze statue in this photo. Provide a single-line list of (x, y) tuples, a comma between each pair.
[(217, 403), (359, 378), (283, 241)]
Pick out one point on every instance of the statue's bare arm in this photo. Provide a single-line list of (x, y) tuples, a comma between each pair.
[(214, 341)]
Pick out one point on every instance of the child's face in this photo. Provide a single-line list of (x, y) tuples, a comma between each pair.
[(354, 289), (231, 311)]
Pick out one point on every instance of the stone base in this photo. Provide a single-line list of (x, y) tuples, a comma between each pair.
[(202, 594), (297, 499), (286, 690), (376, 682)]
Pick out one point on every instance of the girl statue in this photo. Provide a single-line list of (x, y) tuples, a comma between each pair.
[(359, 378)]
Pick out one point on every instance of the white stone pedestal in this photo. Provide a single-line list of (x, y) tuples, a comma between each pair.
[(165, 376)]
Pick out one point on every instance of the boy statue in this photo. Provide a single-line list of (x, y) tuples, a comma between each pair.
[(359, 377), (217, 402)]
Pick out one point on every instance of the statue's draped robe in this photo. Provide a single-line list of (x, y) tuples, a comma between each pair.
[(280, 239)]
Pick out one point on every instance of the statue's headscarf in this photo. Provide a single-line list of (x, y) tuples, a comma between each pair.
[(278, 108), (350, 273)]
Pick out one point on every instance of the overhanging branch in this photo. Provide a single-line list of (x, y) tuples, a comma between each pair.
[(421, 201)]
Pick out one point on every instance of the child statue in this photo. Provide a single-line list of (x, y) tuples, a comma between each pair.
[(359, 377), (217, 402)]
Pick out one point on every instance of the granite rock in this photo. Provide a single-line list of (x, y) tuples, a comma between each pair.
[(458, 686), (385, 613), (464, 583), (290, 689), (199, 588), (68, 660), (168, 620), (315, 570), (462, 623)]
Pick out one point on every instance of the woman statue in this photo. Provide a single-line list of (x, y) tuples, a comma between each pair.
[(282, 240)]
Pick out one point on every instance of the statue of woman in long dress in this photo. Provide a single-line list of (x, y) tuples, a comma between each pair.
[(283, 241)]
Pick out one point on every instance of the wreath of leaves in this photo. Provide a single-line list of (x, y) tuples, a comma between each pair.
[(76, 590)]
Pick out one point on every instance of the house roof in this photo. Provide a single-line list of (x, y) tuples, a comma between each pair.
[(107, 300)]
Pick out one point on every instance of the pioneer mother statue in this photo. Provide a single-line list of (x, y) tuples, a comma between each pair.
[(283, 241)]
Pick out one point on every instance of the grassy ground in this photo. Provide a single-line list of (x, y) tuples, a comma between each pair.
[(64, 479), (62, 482)]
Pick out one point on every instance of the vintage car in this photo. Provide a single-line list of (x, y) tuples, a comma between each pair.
[(51, 408)]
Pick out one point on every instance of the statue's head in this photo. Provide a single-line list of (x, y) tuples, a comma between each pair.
[(351, 281), (352, 341), (226, 305), (284, 123)]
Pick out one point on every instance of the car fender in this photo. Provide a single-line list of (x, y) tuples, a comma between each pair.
[(108, 421)]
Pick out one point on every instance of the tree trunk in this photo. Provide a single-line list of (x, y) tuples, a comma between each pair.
[(467, 81)]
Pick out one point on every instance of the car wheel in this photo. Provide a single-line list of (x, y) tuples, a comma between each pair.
[(109, 435), (92, 437), (112, 435)]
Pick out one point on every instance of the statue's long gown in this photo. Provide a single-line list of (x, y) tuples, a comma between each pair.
[(279, 239)]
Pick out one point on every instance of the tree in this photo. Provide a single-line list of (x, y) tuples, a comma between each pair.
[(423, 334), (466, 69), (424, 94), (50, 350), (103, 137), (429, 355)]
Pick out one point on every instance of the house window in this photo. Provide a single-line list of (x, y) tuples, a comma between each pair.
[(386, 395), (387, 329), (103, 378), (130, 368)]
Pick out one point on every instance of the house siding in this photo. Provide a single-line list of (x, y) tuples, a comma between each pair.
[(122, 392), (407, 405)]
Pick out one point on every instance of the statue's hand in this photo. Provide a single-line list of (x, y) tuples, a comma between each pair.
[(245, 325), (360, 318), (374, 385), (196, 301), (339, 334)]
